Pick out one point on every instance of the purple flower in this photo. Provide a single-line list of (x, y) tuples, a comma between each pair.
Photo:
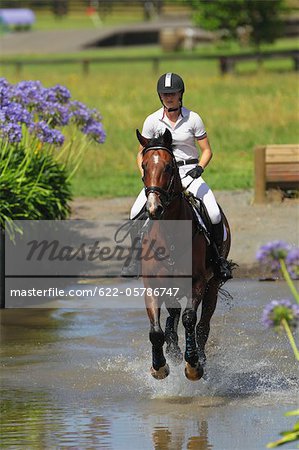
[(271, 253), (16, 113), (4, 92), (43, 110), (28, 93), (46, 134), (3, 82), (292, 263), (12, 132), (94, 130), (79, 112), (277, 310), (54, 113), (58, 93)]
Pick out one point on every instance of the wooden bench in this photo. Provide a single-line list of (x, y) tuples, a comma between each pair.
[(276, 167)]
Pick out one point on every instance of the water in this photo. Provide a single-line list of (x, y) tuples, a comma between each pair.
[(80, 379)]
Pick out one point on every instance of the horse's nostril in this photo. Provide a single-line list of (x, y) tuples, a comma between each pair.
[(156, 213)]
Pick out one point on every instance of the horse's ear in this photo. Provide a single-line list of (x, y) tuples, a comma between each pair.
[(167, 137), (143, 141)]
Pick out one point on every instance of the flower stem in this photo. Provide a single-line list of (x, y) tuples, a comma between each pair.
[(291, 338), (289, 280)]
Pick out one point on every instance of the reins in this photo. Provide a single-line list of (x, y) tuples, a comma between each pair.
[(165, 194)]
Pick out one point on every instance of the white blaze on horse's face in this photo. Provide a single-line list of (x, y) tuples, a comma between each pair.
[(153, 204), (156, 159)]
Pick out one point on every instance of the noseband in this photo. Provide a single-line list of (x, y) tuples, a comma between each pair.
[(166, 195)]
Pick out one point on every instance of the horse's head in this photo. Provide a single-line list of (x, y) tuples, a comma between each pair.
[(160, 172)]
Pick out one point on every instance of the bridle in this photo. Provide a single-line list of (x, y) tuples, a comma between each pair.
[(166, 195)]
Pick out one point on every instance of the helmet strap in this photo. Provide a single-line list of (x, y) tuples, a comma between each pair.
[(172, 109)]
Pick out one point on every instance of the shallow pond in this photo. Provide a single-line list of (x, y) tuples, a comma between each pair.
[(79, 378)]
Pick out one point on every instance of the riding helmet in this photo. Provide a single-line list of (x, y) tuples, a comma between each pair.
[(170, 82)]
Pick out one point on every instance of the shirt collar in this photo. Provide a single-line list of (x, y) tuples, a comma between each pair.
[(181, 116)]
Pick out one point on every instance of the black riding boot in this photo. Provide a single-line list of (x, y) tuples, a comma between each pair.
[(131, 267), (222, 266)]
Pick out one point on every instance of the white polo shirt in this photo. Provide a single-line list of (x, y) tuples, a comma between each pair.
[(188, 129)]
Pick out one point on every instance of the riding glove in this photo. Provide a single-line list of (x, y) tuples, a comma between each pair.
[(195, 172)]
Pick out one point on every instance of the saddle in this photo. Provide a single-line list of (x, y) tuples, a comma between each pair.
[(200, 214)]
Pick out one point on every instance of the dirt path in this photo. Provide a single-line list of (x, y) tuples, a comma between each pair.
[(251, 225)]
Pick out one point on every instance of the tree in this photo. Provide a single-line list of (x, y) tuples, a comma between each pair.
[(263, 17), (60, 7)]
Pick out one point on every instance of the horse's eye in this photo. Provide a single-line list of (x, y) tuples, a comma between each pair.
[(168, 168)]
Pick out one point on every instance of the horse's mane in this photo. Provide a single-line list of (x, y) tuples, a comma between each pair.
[(158, 141)]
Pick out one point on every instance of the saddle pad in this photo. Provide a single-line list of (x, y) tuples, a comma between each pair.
[(201, 223)]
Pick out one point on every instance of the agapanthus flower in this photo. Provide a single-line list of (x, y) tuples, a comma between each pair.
[(277, 310), (3, 82), (4, 93), (2, 116), (16, 113), (29, 93), (43, 111), (54, 113), (292, 263), (272, 253), (58, 93), (95, 115), (94, 130), (46, 134), (11, 132), (80, 113)]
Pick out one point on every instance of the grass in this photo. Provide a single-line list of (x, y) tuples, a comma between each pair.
[(80, 20), (255, 106)]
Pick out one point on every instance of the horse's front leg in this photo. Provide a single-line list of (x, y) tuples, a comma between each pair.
[(159, 369), (193, 369), (171, 331)]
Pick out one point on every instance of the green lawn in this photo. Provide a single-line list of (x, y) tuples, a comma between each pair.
[(255, 106), (81, 20)]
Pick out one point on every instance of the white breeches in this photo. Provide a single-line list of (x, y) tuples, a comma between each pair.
[(198, 188)]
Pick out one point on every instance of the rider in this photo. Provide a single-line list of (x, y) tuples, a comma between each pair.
[(186, 128)]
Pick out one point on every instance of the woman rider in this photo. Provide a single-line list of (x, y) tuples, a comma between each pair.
[(186, 128)]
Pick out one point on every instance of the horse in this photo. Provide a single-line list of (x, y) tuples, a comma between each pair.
[(167, 200)]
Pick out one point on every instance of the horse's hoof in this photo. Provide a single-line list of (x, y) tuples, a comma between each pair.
[(193, 373), (174, 354), (160, 374)]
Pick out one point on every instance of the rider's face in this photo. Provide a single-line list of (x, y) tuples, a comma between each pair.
[(171, 100)]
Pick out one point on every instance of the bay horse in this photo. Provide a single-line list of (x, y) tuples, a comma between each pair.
[(167, 200)]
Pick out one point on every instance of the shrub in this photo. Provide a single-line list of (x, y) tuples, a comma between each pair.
[(43, 137)]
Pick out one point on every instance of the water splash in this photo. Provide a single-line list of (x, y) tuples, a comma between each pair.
[(256, 382)]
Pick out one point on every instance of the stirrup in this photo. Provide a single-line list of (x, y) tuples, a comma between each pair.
[(223, 269)]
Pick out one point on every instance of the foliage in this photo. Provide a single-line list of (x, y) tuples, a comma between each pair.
[(262, 19), (282, 314), (37, 160), (33, 186), (289, 435)]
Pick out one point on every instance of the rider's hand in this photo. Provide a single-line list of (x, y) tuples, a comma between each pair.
[(195, 172)]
